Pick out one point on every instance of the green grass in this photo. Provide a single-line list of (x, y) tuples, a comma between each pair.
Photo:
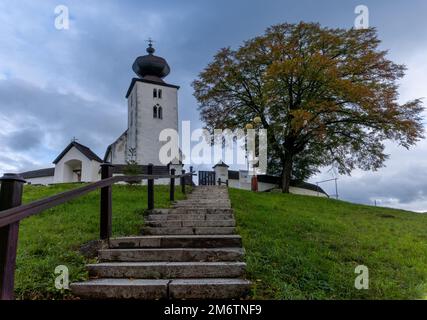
[(55, 236), (297, 247), (300, 247)]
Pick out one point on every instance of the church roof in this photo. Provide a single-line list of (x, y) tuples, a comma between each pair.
[(151, 66), (135, 80), (150, 69), (48, 172), (83, 149)]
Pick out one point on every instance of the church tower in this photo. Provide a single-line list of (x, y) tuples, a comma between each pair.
[(152, 107)]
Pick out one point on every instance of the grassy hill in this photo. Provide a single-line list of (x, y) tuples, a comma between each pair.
[(300, 247), (296, 247)]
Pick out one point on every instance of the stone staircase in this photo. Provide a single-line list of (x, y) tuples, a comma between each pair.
[(190, 251)]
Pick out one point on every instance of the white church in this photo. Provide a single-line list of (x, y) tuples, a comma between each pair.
[(152, 107)]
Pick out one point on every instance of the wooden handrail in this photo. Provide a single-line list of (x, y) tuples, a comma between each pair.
[(12, 212), (23, 211)]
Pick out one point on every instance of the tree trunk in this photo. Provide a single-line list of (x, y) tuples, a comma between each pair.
[(287, 172)]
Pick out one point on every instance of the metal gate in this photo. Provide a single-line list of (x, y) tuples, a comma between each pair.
[(206, 178)]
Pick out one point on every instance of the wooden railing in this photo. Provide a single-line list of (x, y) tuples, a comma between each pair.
[(12, 211)]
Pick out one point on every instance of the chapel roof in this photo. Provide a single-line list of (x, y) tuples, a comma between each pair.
[(83, 149)]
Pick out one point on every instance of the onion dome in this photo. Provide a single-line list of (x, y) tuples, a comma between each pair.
[(151, 67)]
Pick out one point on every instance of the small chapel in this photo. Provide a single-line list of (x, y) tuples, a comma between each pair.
[(152, 106)]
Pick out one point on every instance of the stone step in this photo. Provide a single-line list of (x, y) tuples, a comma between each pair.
[(165, 270), (187, 230), (208, 193), (216, 204), (177, 241), (143, 289), (191, 253), (201, 217), (206, 201), (196, 207), (172, 254), (148, 289), (198, 195), (191, 211), (217, 199), (190, 223), (203, 203), (208, 288)]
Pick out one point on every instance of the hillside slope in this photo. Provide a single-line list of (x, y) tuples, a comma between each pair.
[(300, 247)]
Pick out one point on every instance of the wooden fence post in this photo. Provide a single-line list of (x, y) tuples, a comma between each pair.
[(150, 185), (183, 182), (172, 186), (10, 196), (106, 203), (191, 171)]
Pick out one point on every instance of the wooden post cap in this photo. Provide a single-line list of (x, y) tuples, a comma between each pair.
[(12, 177)]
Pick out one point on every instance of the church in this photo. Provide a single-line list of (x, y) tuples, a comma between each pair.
[(152, 106)]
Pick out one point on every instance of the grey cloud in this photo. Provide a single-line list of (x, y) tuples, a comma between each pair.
[(405, 186), (9, 163), (58, 117), (25, 139)]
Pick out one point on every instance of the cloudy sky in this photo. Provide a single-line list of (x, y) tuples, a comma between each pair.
[(60, 84)]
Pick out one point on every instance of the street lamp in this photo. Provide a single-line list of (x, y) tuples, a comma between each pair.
[(257, 120), (254, 180)]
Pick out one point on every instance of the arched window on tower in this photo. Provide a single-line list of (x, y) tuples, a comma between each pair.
[(154, 93), (160, 112), (160, 93), (155, 111)]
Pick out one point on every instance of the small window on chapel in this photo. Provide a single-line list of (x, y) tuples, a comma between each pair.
[(160, 112), (160, 93), (155, 112), (154, 93)]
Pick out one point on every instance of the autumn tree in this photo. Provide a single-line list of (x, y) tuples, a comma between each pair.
[(326, 96)]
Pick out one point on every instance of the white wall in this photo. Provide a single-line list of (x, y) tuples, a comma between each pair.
[(221, 173), (40, 180), (178, 170), (63, 171), (262, 186), (244, 183), (119, 150), (306, 192)]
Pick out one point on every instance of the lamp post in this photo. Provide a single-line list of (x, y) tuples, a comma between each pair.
[(254, 180)]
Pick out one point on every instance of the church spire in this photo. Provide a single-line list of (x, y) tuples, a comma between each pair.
[(151, 67)]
